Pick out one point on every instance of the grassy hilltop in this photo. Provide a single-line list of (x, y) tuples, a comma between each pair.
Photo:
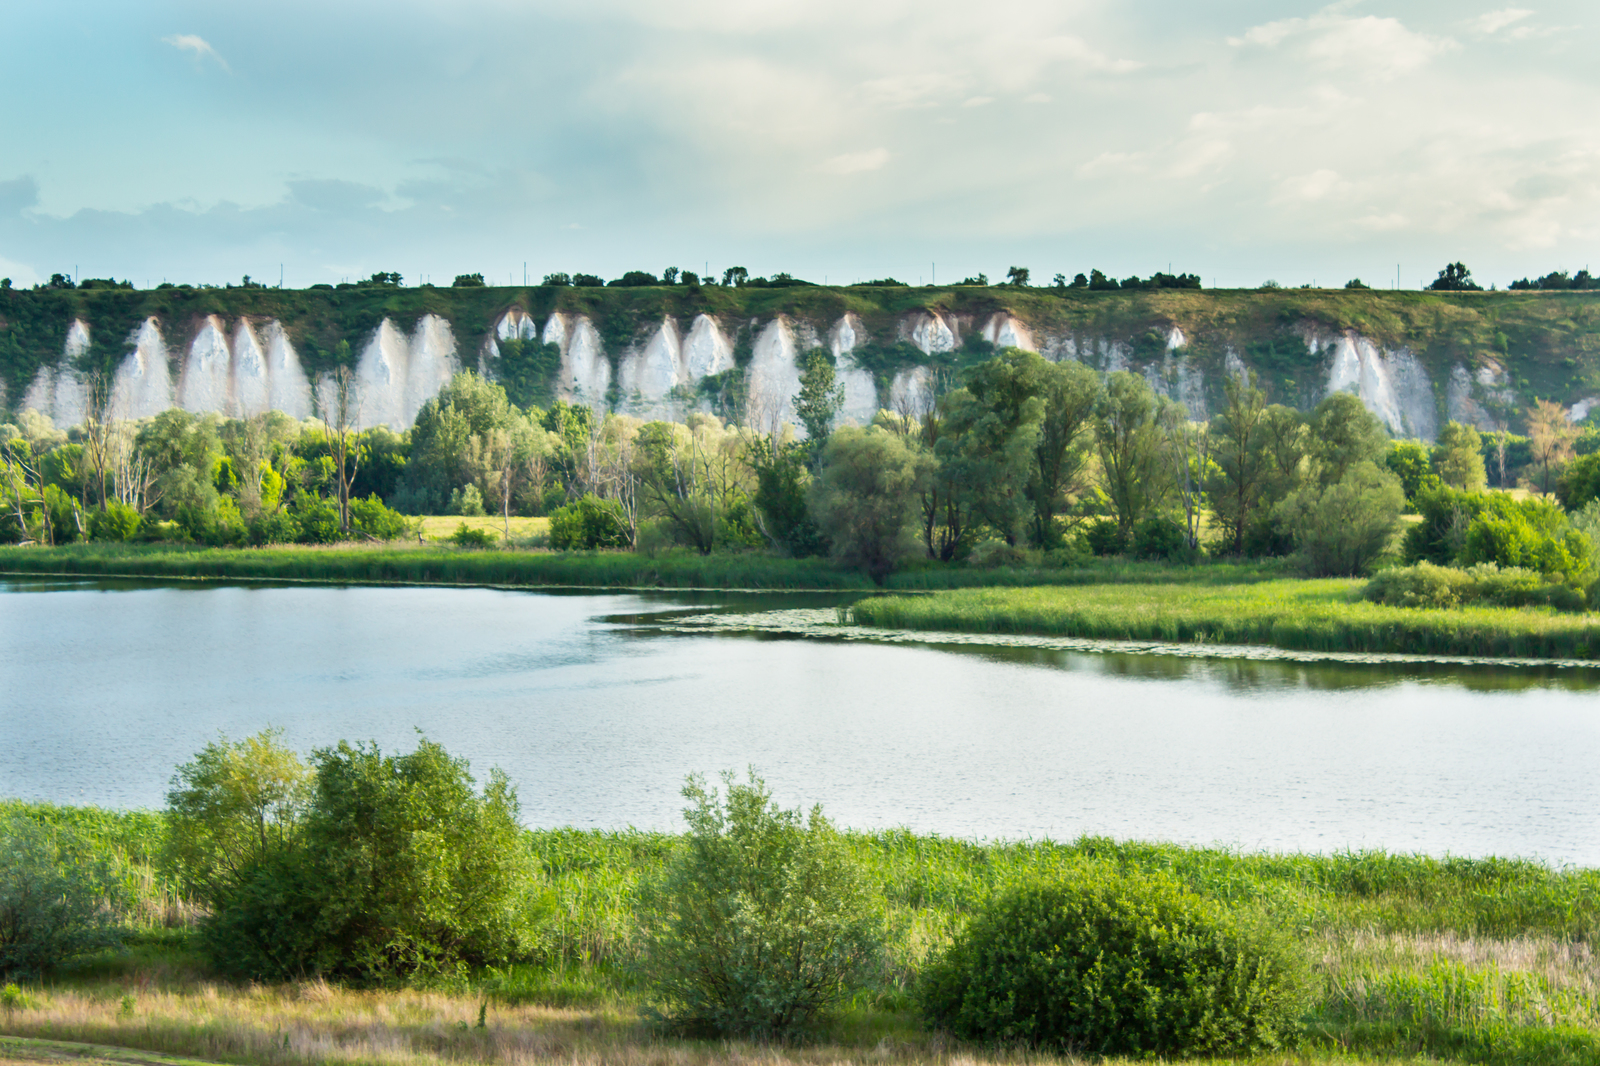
[(1548, 342)]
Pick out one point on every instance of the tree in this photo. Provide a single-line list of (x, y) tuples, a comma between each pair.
[(760, 922), (401, 869), (339, 404), (1343, 434), (1455, 277), (57, 902), (1410, 461), (469, 281), (230, 806), (1188, 446), (988, 447), (450, 441), (1551, 435), (864, 496), (1070, 392), (1458, 459), (1133, 473), (1239, 452), (1341, 528), (820, 397), (782, 481), (1017, 276)]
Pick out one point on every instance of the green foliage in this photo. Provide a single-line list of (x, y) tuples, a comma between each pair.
[(1427, 585), (1343, 527), (1534, 534), (118, 521), (274, 527), (760, 923), (1455, 277), (371, 517), (1112, 963), (588, 523), (232, 805), (780, 497), (821, 395), (1411, 461), (58, 898), (1458, 458), (1344, 434), (318, 520), (862, 500), (466, 500), (467, 537), (1158, 537), (1579, 483), (401, 869), (1133, 475)]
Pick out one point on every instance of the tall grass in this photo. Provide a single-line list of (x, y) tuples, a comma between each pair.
[(1315, 615), (1483, 960), (435, 564)]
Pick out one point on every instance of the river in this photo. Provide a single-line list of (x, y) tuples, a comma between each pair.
[(597, 714)]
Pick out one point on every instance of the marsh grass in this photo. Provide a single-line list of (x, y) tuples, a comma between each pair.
[(1308, 615)]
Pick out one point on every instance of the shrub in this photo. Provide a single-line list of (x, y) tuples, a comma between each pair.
[(1343, 527), (1579, 482), (1532, 533), (1156, 537), (118, 521), (587, 523), (1105, 537), (466, 537), (319, 522), (402, 869), (759, 922), (1446, 514), (371, 517), (1114, 963), (865, 496), (275, 527), (1426, 585), (56, 903), (993, 553)]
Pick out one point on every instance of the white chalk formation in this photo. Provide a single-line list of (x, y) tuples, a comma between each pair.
[(248, 367)]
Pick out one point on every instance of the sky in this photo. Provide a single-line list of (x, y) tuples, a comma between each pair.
[(835, 140)]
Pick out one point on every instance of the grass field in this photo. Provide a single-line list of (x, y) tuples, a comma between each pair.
[(440, 527), (1310, 615), (1413, 958)]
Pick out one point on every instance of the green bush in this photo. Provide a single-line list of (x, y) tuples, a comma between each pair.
[(371, 517), (1534, 534), (118, 521), (274, 527), (57, 901), (401, 869), (994, 553), (589, 523), (1426, 585), (467, 537), (1110, 963), (1156, 537), (1105, 537), (1343, 527), (319, 522), (759, 922)]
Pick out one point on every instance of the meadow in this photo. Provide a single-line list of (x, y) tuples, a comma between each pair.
[(1307, 615), (1411, 958)]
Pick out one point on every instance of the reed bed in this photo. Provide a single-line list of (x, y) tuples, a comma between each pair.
[(1486, 960), (1308, 615), (409, 563)]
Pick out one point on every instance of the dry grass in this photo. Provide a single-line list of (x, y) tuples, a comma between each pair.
[(315, 1023)]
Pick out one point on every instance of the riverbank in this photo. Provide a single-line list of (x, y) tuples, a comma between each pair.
[(412, 564), (1319, 615), (1458, 960)]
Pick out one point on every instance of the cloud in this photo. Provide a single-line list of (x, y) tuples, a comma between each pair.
[(331, 194), (190, 42), (1495, 21), (1330, 41), (856, 162), (18, 195)]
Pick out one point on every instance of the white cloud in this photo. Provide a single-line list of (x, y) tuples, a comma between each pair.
[(1495, 21), (190, 42), (856, 162), (1332, 42)]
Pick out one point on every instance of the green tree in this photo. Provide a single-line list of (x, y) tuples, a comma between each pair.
[(820, 397), (402, 869), (450, 441), (864, 498), (760, 923), (1412, 462), (1455, 277), (1133, 475), (1550, 435), (1343, 434), (230, 806), (1064, 440), (1342, 528), (58, 900), (988, 448), (1579, 482), (1242, 464), (1458, 459), (782, 482)]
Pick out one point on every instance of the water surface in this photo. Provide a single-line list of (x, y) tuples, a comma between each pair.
[(104, 688)]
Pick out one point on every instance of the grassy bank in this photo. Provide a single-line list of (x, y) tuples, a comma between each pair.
[(1317, 615), (1459, 960), (436, 564)]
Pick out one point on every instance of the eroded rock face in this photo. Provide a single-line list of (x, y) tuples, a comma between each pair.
[(1391, 384), (60, 391), (860, 390), (142, 385), (206, 382), (648, 377), (1004, 331), (774, 380), (585, 371)]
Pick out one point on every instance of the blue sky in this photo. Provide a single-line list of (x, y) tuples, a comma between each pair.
[(840, 140)]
